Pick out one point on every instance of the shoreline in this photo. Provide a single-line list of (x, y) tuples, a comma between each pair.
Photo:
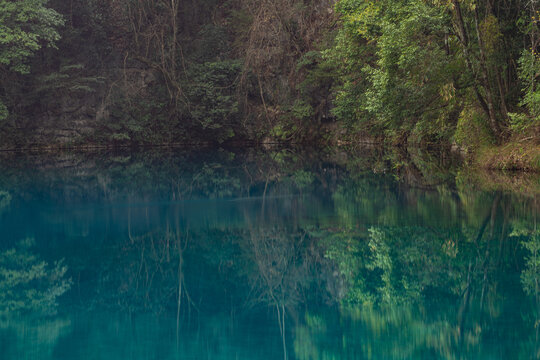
[(511, 157)]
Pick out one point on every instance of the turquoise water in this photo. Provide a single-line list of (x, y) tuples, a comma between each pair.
[(262, 255)]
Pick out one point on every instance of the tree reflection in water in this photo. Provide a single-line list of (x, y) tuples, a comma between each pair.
[(266, 257)]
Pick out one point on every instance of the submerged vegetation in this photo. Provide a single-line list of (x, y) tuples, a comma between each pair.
[(415, 72)]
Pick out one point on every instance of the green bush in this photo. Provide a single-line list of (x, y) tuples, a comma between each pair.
[(529, 68), (211, 92), (472, 130)]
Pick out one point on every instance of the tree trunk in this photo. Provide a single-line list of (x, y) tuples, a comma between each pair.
[(493, 122), (464, 40), (486, 103)]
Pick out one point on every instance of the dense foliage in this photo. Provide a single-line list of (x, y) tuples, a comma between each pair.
[(437, 70), (145, 71), (25, 27)]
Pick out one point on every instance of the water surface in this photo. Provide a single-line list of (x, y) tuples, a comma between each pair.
[(215, 254)]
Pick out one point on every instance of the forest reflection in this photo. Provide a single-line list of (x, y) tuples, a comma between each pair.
[(314, 260)]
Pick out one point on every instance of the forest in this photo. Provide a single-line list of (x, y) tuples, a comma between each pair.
[(269, 179), (458, 74)]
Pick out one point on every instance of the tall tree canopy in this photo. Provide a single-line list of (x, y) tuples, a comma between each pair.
[(25, 27), (428, 67)]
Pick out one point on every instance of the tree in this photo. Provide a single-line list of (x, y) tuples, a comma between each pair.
[(404, 83), (424, 67), (25, 27)]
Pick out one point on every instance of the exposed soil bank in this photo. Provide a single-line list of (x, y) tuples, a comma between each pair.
[(516, 155)]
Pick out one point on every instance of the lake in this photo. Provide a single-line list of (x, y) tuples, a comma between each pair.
[(252, 254)]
